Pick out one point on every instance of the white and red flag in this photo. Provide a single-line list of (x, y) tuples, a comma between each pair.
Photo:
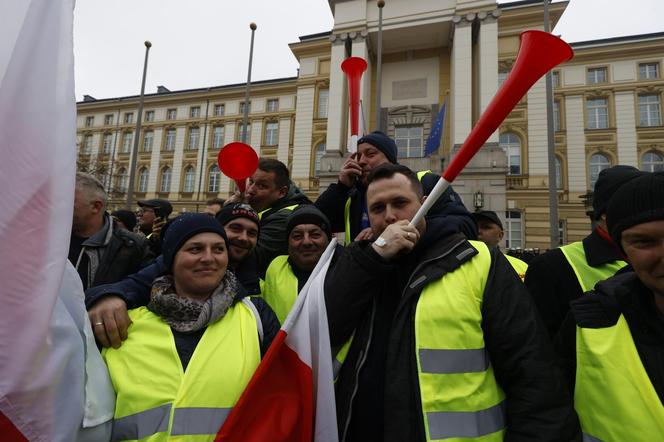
[(290, 398)]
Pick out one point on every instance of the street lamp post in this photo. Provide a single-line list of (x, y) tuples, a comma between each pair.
[(379, 62), (245, 117)]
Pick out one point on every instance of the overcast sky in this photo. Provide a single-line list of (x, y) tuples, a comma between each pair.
[(200, 43)]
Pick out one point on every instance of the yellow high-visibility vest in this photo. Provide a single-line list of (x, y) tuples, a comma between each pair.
[(289, 208), (586, 275), (519, 266)]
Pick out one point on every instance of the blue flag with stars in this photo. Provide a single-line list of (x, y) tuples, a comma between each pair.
[(433, 143)]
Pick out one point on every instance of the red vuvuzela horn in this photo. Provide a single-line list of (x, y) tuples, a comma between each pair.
[(238, 161), (354, 67)]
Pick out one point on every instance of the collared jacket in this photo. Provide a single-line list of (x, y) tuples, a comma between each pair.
[(377, 391), (113, 253), (552, 282), (333, 200)]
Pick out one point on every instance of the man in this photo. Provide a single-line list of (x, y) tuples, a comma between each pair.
[(273, 195), (490, 232), (126, 219), (446, 341), (613, 340), (561, 275), (99, 249), (344, 203), (213, 206), (153, 215), (109, 303), (308, 232)]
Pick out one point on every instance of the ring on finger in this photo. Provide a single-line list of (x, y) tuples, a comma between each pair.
[(98, 323)]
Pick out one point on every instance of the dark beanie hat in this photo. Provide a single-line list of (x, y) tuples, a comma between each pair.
[(184, 227), (308, 214), (608, 181), (127, 217), (383, 143), (237, 210), (637, 202)]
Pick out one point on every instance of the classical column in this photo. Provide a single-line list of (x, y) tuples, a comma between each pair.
[(461, 93), (488, 61), (626, 128), (576, 144), (336, 114)]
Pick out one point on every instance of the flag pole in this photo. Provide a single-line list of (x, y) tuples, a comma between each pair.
[(137, 134), (551, 147), (245, 117), (379, 62)]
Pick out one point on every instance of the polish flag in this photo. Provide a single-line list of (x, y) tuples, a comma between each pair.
[(290, 398), (37, 172)]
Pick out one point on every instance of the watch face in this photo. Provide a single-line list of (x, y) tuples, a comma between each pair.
[(380, 242)]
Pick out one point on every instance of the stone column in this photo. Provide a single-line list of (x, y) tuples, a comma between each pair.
[(461, 81), (488, 61), (336, 114), (626, 128)]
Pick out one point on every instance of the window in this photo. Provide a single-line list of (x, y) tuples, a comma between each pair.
[(122, 180), (648, 71), (214, 179), (89, 121), (323, 100), (272, 133), (598, 113), (649, 110), (165, 180), (320, 151), (219, 110), (108, 119), (556, 115), (409, 141), (194, 112), (149, 115), (242, 107), (218, 137), (171, 114), (129, 117), (188, 185), (194, 135), (513, 228), (562, 232), (86, 144), (169, 144), (652, 162), (598, 162), (273, 105), (559, 173), (511, 145), (502, 76), (240, 131), (596, 75), (127, 139), (148, 138), (143, 175), (108, 141), (555, 78)]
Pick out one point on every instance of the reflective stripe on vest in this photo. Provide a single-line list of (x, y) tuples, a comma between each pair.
[(459, 393), (156, 399), (614, 397), (280, 287), (289, 208), (519, 266), (586, 275), (347, 238)]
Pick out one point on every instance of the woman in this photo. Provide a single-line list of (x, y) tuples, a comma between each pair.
[(192, 350)]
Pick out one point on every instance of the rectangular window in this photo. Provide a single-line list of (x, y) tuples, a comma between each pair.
[(323, 101), (242, 107), (562, 232), (171, 114), (148, 138), (89, 121), (127, 139), (513, 229), (409, 141), (149, 115), (555, 78), (218, 137), (108, 140), (648, 71), (271, 133), (502, 76), (194, 112), (240, 128), (219, 110), (129, 117), (169, 143), (597, 75), (598, 113), (650, 110), (194, 135), (556, 115), (87, 144), (273, 105), (108, 119)]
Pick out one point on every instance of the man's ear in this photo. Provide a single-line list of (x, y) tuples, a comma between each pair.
[(98, 206), (283, 192), (502, 233)]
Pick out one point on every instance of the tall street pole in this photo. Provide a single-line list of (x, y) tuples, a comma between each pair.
[(245, 118), (553, 185), (137, 133), (379, 63)]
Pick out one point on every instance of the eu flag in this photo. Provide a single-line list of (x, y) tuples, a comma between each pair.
[(433, 143)]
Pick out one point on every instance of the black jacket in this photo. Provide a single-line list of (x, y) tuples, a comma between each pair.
[(552, 283), (332, 203), (622, 294), (111, 254), (378, 385)]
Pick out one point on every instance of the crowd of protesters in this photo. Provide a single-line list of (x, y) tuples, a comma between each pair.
[(436, 333)]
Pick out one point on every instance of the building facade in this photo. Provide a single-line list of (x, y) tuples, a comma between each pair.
[(607, 111)]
